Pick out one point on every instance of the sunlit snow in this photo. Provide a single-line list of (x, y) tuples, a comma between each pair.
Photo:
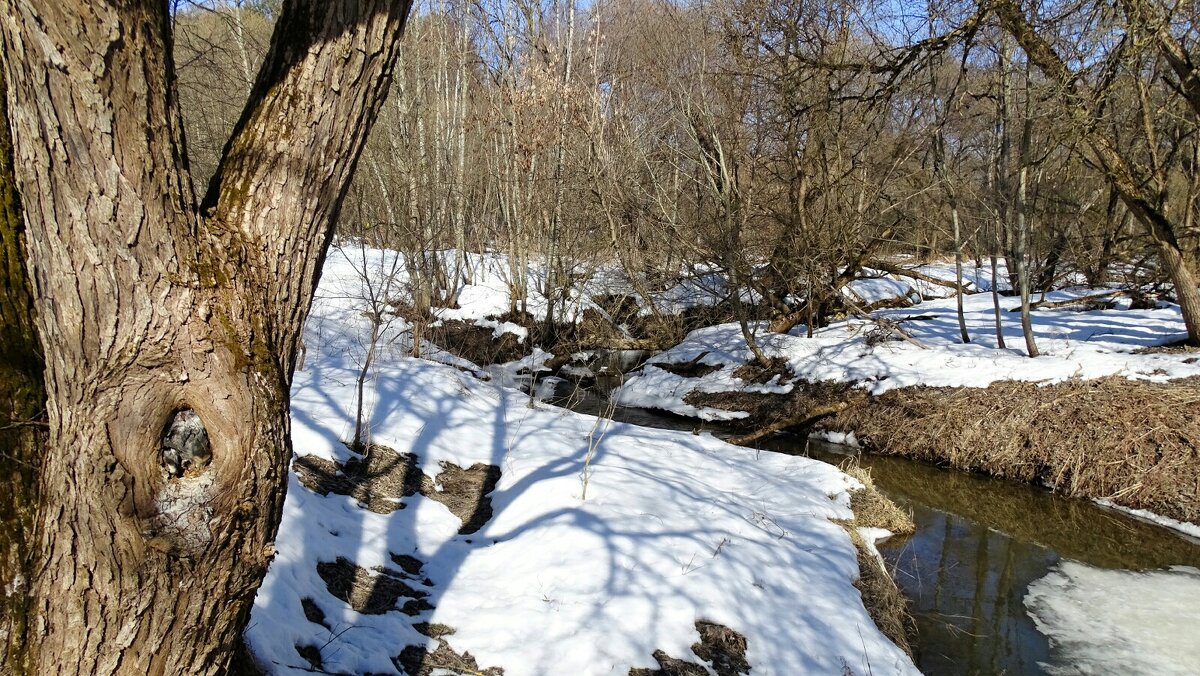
[(675, 528)]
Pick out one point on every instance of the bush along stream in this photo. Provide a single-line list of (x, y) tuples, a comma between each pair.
[(1003, 576)]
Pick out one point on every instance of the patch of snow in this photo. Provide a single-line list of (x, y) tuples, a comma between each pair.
[(1095, 619), (1189, 529), (869, 291), (871, 537), (517, 374), (500, 328), (547, 387), (842, 438)]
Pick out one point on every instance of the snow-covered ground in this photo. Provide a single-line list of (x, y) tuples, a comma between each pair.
[(673, 528), (1073, 345), (1098, 618)]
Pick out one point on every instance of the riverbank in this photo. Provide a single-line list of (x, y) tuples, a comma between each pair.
[(1133, 443), (1107, 412)]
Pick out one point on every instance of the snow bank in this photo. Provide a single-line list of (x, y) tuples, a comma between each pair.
[(1074, 345), (876, 290), (674, 528), (1095, 618)]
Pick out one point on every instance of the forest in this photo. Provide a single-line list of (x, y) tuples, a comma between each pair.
[(659, 337), (782, 146)]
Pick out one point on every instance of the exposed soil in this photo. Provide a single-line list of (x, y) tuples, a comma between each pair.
[(312, 655), (381, 479), (687, 369), (464, 492), (378, 480), (1178, 347), (720, 647), (313, 612), (669, 666), (419, 661), (476, 344), (623, 308), (767, 409), (372, 592), (409, 564), (753, 373), (693, 368), (433, 629)]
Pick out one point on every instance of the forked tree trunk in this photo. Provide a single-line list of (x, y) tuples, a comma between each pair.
[(149, 304)]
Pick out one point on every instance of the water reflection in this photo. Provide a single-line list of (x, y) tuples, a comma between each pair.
[(966, 584)]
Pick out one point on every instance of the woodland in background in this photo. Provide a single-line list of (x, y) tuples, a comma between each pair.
[(784, 144)]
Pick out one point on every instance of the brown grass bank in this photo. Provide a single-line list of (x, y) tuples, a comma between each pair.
[(881, 597), (1134, 442)]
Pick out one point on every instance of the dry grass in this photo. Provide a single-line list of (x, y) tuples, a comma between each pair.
[(464, 492), (380, 479), (722, 648), (1134, 442), (884, 601), (420, 661), (691, 369), (766, 409), (753, 373), (873, 509), (372, 593), (881, 597), (477, 344)]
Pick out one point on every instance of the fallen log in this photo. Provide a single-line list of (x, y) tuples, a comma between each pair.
[(901, 271), (801, 421), (1050, 304)]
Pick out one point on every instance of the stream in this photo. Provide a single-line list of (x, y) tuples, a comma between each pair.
[(980, 543)]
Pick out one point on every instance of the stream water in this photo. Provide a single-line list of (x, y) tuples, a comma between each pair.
[(979, 544)]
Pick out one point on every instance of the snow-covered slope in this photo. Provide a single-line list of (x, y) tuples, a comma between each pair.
[(673, 528)]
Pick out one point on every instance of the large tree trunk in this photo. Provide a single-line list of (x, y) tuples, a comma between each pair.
[(148, 305), (22, 401)]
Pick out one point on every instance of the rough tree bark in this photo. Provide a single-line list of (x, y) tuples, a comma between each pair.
[(22, 400), (148, 304)]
